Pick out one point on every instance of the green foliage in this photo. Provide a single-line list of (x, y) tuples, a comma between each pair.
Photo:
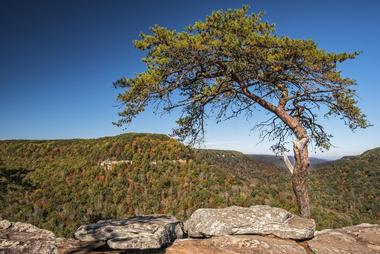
[(347, 191), (60, 184), (233, 62)]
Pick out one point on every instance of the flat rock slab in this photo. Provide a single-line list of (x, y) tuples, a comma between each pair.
[(359, 239), (254, 220), (239, 244), (141, 232)]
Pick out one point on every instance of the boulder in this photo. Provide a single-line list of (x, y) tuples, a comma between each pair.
[(254, 220), (238, 244), (141, 232), (26, 238), (359, 239)]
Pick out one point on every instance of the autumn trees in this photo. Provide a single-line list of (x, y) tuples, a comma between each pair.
[(233, 63)]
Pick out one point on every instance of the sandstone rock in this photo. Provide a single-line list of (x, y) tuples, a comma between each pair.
[(26, 238), (27, 246), (260, 220), (360, 239), (239, 244), (4, 224), (368, 233), (21, 231), (141, 232), (69, 245)]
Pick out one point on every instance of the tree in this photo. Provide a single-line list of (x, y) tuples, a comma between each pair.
[(232, 64)]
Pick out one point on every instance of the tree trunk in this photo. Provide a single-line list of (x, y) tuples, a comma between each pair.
[(300, 175)]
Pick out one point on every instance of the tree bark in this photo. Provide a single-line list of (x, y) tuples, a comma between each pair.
[(300, 146), (300, 175)]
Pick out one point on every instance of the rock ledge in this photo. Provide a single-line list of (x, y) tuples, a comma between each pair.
[(359, 239)]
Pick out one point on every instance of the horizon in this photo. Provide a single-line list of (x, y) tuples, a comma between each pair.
[(59, 60), (329, 158)]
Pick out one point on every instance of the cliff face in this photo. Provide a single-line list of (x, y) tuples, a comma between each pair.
[(232, 230)]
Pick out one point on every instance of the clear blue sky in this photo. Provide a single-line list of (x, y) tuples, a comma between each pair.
[(58, 60)]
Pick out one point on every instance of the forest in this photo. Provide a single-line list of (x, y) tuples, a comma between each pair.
[(61, 184)]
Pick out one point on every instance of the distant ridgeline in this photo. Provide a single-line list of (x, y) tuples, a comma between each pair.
[(61, 184)]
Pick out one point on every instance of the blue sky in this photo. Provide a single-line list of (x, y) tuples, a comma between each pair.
[(58, 60)]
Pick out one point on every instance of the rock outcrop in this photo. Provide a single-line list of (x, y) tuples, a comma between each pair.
[(25, 238), (359, 239), (254, 220), (237, 244), (233, 230), (141, 232)]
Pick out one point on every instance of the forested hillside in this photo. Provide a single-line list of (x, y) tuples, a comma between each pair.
[(347, 191), (61, 184)]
